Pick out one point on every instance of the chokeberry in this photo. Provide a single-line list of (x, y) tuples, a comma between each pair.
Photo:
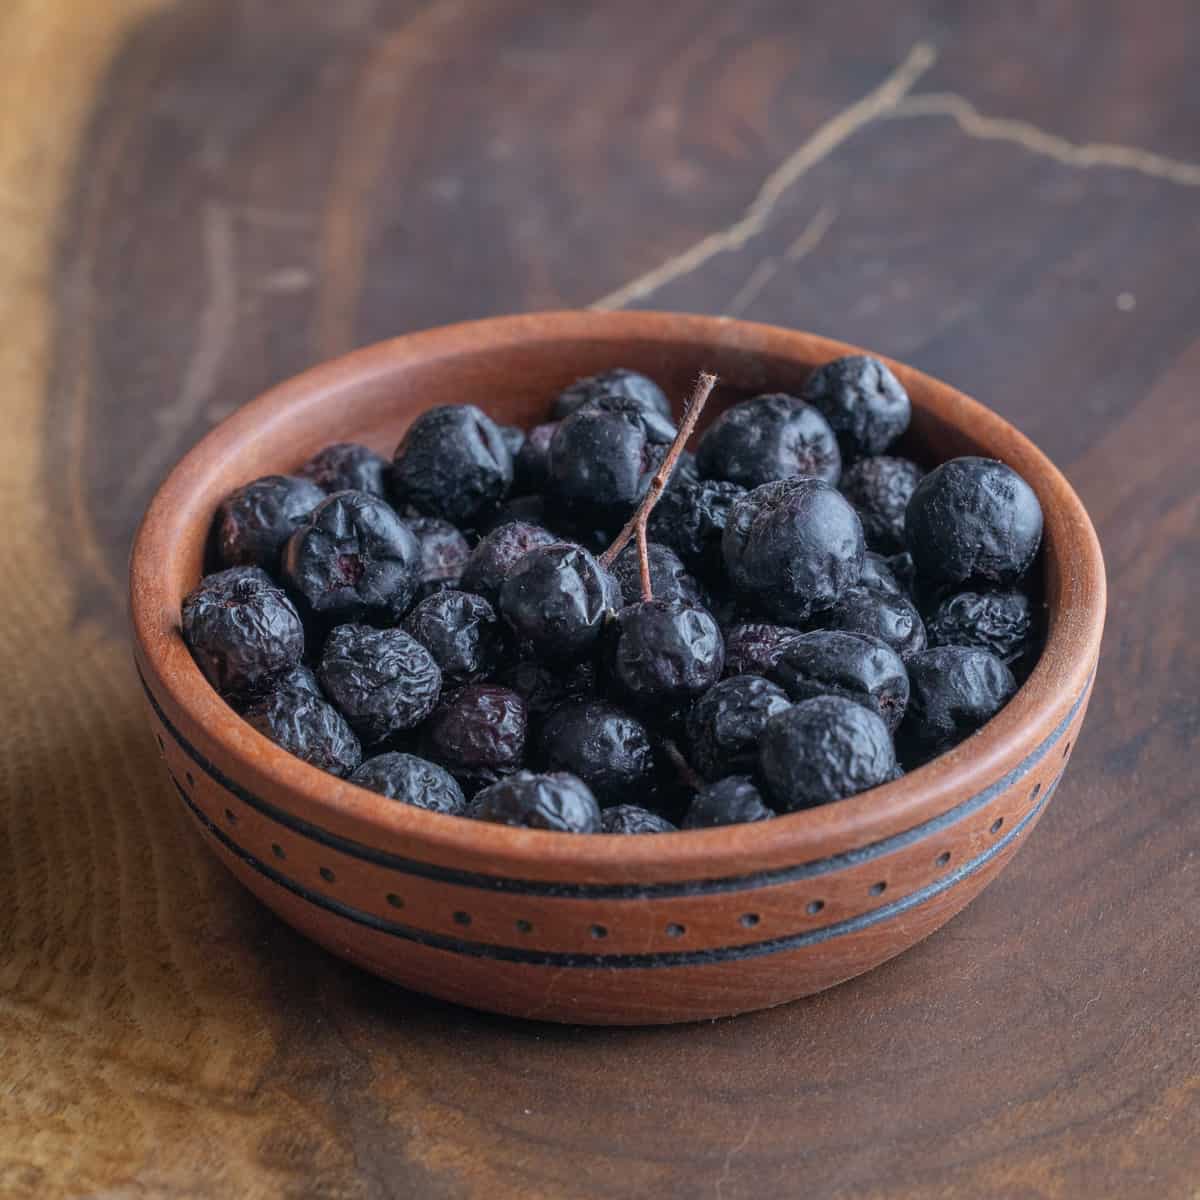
[(532, 463), (307, 726), (663, 652), (555, 800), (793, 547), (669, 578), (354, 560), (478, 734), (734, 800), (495, 555), (416, 781), (880, 489), (632, 818), (1001, 622), (725, 724), (885, 615), (347, 467), (242, 630), (453, 463), (254, 522), (443, 553), (607, 748), (751, 648), (383, 680), (864, 403), (631, 385), (769, 438), (690, 517), (823, 750), (461, 631)]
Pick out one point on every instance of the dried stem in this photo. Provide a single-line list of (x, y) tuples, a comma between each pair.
[(684, 769), (636, 525)]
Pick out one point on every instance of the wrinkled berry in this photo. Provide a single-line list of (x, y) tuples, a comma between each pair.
[(494, 557), (973, 519), (300, 679), (242, 630), (864, 403), (354, 560), (664, 652), (954, 690), (632, 818), (383, 680), (254, 522), (607, 748), (734, 800), (690, 517), (414, 780), (453, 463), (544, 689), (768, 438), (1001, 622), (669, 579), (793, 547), (823, 750), (557, 599), (889, 617), (751, 648), (443, 553), (347, 467), (631, 385), (478, 734), (532, 464), (461, 631), (725, 724), (828, 662), (308, 727), (880, 489), (556, 800)]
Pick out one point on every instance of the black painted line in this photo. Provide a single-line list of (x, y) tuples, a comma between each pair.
[(619, 891), (678, 958)]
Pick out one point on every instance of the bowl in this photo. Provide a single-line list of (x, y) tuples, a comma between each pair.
[(600, 929)]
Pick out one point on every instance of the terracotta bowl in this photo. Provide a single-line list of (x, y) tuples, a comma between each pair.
[(601, 929)]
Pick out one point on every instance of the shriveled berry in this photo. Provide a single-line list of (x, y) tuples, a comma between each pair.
[(347, 467), (690, 517), (254, 522), (555, 800), (443, 553), (452, 463), (880, 489), (300, 679), (770, 437), (725, 724), (461, 631), (884, 615), (1001, 622), (751, 648), (632, 818), (557, 598), (878, 575), (631, 385), (531, 464), (823, 750), (954, 691), (308, 727), (663, 652), (242, 630), (793, 547), (734, 800), (669, 579), (413, 780), (494, 557), (830, 662), (545, 689), (864, 403), (973, 519), (383, 680), (478, 734), (607, 748), (354, 560)]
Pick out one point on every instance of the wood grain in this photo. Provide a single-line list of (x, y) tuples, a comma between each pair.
[(1023, 222)]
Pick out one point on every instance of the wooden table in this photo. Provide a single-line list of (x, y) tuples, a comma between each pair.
[(199, 198)]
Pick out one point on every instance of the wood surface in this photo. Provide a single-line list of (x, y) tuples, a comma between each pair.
[(202, 197)]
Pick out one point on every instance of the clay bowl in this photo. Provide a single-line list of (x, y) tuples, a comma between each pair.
[(602, 929)]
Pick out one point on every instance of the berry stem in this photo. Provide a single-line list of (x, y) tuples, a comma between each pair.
[(684, 769), (636, 525)]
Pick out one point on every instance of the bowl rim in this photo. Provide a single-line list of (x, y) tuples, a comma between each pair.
[(1062, 675)]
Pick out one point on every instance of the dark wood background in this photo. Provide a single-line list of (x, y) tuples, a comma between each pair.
[(205, 196)]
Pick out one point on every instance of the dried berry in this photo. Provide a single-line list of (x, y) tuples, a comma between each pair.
[(690, 518), (632, 818), (751, 648), (254, 522), (443, 553), (631, 385), (414, 780), (1001, 622), (734, 800), (383, 680), (557, 801), (889, 617), (308, 727), (768, 438), (242, 630), (461, 631), (663, 652), (669, 579), (864, 403), (494, 557), (347, 467), (478, 734), (880, 489), (823, 750), (725, 724), (607, 748)]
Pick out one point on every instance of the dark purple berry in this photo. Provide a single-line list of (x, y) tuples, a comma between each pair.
[(751, 648), (556, 599), (823, 750), (300, 679), (725, 724), (461, 631), (734, 800), (354, 560), (308, 727), (883, 615), (347, 467), (829, 662), (242, 630), (383, 680), (494, 557), (607, 748), (663, 652), (478, 734), (880, 489), (1001, 622), (690, 517), (443, 552), (631, 385), (973, 519), (531, 464), (631, 818), (669, 579), (254, 522), (768, 438), (793, 547), (556, 801), (864, 403), (452, 463), (413, 780)]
